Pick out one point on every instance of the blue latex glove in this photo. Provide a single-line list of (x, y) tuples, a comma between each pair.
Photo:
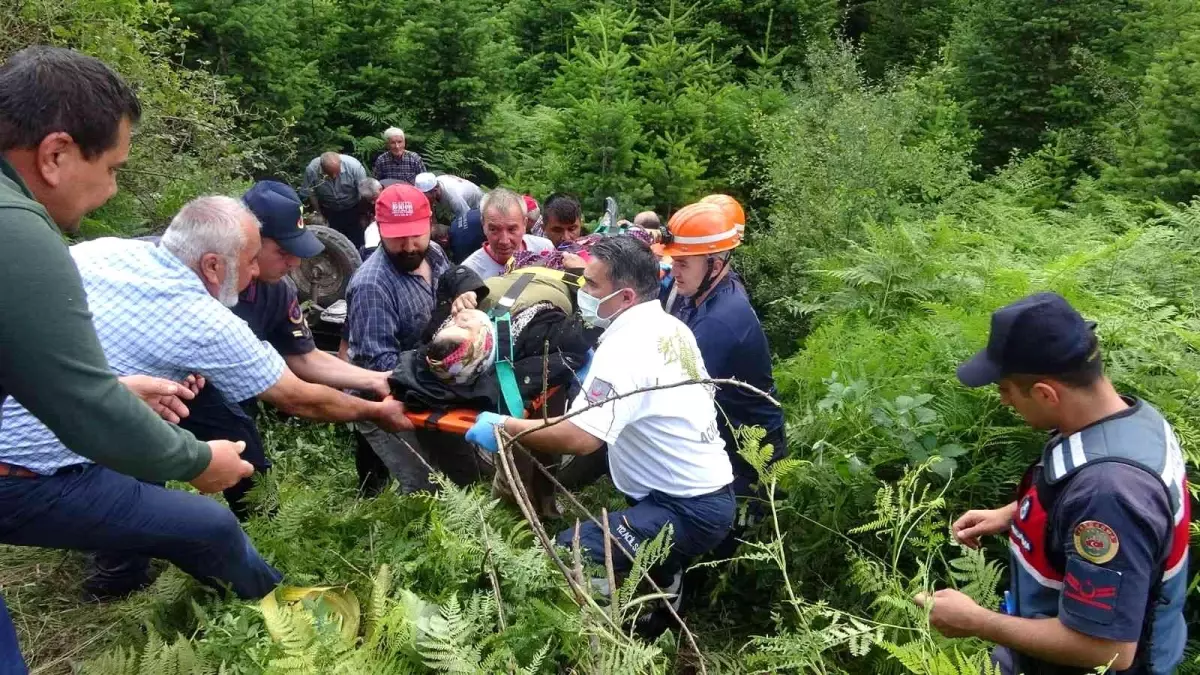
[(483, 432), (582, 373)]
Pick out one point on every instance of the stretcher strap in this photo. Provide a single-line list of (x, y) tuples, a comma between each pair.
[(569, 278), (507, 375), (431, 421), (502, 318)]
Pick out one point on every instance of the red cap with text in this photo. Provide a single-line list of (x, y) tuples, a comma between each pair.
[(402, 211)]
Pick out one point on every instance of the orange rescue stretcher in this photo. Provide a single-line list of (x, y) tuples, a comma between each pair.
[(460, 420)]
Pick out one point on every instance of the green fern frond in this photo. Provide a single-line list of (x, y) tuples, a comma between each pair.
[(156, 658), (381, 587), (977, 576)]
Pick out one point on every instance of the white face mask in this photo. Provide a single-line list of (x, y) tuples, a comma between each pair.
[(589, 308)]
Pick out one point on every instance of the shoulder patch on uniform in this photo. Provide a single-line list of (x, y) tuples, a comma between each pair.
[(294, 313), (1091, 592), (599, 390), (1096, 542)]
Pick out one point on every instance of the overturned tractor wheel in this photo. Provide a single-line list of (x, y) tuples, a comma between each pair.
[(324, 278)]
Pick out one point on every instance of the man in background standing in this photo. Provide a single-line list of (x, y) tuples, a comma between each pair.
[(331, 187), (397, 163)]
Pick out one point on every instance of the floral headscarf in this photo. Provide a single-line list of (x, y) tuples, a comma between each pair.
[(472, 358)]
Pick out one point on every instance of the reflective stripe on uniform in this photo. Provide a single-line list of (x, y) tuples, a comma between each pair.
[(1032, 571)]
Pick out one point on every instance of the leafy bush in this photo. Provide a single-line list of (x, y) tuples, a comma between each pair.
[(1158, 147), (188, 142), (1029, 67), (843, 157)]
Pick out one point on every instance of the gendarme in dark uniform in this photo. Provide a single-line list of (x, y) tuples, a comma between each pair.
[(1098, 534), (273, 312)]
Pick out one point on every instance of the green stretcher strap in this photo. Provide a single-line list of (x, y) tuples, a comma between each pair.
[(502, 319)]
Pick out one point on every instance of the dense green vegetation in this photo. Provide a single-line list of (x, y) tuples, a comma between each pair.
[(909, 165)]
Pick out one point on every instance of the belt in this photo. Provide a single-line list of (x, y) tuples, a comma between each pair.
[(14, 471)]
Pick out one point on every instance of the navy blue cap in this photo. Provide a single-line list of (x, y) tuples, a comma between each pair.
[(1038, 335), (277, 208)]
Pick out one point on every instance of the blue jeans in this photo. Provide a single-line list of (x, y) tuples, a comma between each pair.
[(213, 418), (698, 524), (91, 508), (11, 662)]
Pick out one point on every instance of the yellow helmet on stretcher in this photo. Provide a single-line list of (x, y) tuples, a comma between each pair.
[(700, 229)]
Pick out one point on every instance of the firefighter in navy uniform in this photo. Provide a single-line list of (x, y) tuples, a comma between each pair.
[(271, 308), (1098, 531)]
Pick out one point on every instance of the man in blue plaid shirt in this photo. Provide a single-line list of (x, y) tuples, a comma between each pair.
[(398, 163), (388, 307)]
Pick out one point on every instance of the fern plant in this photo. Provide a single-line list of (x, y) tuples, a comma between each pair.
[(157, 657)]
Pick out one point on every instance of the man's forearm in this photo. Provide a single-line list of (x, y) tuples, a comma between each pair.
[(1049, 640), (321, 368), (563, 438), (318, 402)]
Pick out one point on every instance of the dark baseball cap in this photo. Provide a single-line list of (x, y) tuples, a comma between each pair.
[(1038, 335), (277, 208)]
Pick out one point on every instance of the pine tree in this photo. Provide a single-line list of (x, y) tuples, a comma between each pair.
[(1021, 65), (1158, 154)]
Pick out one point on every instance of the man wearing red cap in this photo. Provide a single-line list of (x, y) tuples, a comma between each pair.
[(389, 303), (533, 213)]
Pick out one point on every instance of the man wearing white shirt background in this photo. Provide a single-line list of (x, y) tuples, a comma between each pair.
[(457, 195), (503, 214), (664, 449)]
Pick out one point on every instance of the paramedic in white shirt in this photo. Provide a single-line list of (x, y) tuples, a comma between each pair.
[(664, 450)]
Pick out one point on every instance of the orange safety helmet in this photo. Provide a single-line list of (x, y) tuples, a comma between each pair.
[(700, 229), (733, 210)]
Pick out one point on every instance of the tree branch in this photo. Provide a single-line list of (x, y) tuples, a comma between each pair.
[(658, 387)]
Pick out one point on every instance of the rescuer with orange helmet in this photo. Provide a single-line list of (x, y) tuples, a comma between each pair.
[(709, 297), (731, 208)]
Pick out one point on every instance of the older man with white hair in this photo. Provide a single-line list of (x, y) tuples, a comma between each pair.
[(504, 228), (162, 310), (398, 163)]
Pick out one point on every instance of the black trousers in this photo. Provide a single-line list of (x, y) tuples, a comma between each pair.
[(213, 418), (347, 222)]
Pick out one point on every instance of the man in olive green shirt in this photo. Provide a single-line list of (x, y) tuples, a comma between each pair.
[(50, 359), (65, 122)]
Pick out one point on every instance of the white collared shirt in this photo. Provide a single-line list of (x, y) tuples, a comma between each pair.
[(664, 440), (486, 266)]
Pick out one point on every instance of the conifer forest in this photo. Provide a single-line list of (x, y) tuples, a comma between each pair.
[(907, 167)]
